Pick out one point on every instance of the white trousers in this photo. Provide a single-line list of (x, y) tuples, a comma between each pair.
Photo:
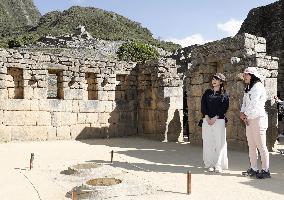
[(214, 144)]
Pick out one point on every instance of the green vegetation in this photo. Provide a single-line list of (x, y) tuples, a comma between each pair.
[(99, 23), (137, 52), (15, 14)]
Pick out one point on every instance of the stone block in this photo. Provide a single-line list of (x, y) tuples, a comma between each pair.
[(34, 105), (103, 95), (260, 48), (89, 106), (111, 95), (29, 93), (17, 104), (103, 118), (197, 103), (3, 103), (163, 105), (271, 90), (28, 133), (196, 80), (81, 118), (51, 133), (31, 118), (54, 105), (67, 106), (5, 133), (44, 118), (196, 90), (92, 117), (108, 106), (63, 119), (63, 132), (42, 84), (75, 106), (40, 93), (3, 94), (273, 64), (14, 118), (55, 119)]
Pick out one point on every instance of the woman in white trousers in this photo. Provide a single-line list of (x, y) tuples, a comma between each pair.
[(214, 105), (254, 116)]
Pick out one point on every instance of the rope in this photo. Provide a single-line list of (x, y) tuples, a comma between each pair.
[(138, 167), (141, 168), (32, 185)]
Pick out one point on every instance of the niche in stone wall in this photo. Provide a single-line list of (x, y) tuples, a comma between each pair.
[(92, 86), (55, 84), (120, 88), (15, 83), (220, 67), (212, 68)]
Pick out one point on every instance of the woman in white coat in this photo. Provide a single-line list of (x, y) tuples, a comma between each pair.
[(214, 105), (253, 114)]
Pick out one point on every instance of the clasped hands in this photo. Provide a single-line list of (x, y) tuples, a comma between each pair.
[(244, 118), (211, 121)]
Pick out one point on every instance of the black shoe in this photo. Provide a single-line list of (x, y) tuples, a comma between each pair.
[(250, 172), (263, 174)]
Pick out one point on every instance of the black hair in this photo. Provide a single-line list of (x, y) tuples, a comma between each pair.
[(253, 81), (222, 85)]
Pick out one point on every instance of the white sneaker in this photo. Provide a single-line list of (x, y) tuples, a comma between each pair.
[(210, 169), (218, 170)]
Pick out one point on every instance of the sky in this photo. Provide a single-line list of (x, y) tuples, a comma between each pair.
[(185, 22)]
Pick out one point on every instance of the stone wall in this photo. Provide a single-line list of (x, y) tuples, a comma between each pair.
[(160, 95), (74, 107), (229, 56), (47, 96), (268, 22)]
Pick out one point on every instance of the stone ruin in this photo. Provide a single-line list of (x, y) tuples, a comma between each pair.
[(229, 56), (268, 22), (48, 96)]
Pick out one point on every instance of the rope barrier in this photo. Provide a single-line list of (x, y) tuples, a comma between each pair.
[(39, 197)]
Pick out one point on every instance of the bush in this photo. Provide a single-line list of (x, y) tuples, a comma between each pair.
[(16, 42), (137, 52)]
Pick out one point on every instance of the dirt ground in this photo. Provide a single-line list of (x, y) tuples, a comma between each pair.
[(148, 170)]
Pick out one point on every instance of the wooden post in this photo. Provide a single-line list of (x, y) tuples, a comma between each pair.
[(74, 195), (188, 182), (32, 160), (111, 156)]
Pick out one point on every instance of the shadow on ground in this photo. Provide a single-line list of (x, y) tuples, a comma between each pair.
[(160, 157)]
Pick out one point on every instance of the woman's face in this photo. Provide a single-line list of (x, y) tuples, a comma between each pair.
[(216, 82), (247, 78)]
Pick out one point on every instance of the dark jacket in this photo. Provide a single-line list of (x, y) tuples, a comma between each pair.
[(214, 104)]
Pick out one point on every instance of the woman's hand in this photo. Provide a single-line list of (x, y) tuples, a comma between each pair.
[(244, 118), (208, 119), (211, 121)]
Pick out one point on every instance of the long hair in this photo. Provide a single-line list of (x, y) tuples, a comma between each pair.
[(222, 86), (253, 81)]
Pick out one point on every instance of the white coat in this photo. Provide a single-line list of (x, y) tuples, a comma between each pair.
[(254, 102)]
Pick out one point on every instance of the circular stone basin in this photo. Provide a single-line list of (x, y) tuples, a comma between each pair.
[(86, 166), (103, 181)]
